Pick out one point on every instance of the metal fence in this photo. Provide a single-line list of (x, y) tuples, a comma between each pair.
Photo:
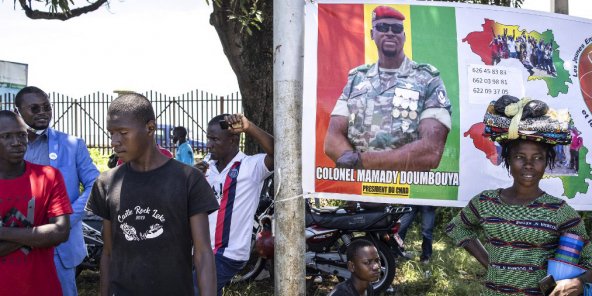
[(85, 117)]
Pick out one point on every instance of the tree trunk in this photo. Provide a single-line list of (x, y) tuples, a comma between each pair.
[(250, 57)]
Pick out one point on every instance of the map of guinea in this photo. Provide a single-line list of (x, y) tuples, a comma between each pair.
[(538, 52)]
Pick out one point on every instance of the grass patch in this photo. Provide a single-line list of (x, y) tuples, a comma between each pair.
[(452, 271)]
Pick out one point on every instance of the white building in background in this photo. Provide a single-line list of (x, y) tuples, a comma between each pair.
[(13, 77)]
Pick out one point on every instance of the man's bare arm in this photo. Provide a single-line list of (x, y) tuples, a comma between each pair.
[(336, 142), (203, 258), (8, 247), (42, 236), (420, 155), (105, 258)]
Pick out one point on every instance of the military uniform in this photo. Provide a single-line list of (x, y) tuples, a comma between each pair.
[(384, 106)]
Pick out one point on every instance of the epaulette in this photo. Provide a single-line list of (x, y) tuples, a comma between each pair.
[(362, 68), (427, 67)]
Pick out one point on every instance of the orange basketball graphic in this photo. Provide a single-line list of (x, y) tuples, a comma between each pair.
[(585, 75)]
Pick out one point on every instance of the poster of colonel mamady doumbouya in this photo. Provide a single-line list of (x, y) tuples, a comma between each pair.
[(457, 61)]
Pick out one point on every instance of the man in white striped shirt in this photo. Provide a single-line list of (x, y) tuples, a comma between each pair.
[(236, 179)]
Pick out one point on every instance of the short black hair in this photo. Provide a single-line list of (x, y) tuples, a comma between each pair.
[(135, 105), (8, 114), (352, 249), (508, 146), (217, 119), (181, 130), (18, 100)]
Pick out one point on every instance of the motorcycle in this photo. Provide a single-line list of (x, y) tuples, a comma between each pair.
[(328, 233), (91, 230)]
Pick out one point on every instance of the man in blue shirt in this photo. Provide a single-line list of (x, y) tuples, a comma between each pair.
[(70, 155), (184, 151)]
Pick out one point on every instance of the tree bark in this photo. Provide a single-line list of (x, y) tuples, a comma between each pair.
[(251, 59), (64, 15)]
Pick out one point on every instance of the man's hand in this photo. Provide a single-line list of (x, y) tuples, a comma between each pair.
[(349, 159), (202, 166), (8, 247), (237, 123)]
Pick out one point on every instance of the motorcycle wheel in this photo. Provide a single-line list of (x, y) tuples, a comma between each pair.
[(387, 267), (254, 266)]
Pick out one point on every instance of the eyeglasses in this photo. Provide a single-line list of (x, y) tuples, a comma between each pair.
[(384, 27), (35, 108)]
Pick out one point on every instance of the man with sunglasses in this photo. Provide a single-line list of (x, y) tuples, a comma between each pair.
[(394, 114), (69, 155)]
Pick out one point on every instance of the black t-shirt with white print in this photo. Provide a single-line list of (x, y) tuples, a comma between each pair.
[(151, 236)]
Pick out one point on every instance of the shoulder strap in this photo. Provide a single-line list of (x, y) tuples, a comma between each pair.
[(429, 68), (360, 69)]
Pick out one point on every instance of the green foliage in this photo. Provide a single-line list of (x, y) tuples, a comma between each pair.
[(451, 271), (100, 160), (246, 13), (56, 6)]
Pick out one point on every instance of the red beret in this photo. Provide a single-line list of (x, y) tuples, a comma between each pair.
[(382, 12)]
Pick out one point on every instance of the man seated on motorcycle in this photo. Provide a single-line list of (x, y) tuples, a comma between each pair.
[(364, 264)]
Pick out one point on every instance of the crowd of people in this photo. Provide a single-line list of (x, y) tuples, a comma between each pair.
[(568, 156), (148, 202), (532, 51), (201, 214)]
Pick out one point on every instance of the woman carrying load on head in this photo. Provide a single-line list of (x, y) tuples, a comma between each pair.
[(521, 224)]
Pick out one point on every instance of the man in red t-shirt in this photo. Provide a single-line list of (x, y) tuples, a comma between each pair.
[(34, 215)]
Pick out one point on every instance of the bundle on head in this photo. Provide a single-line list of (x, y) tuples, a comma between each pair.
[(509, 106), (510, 118)]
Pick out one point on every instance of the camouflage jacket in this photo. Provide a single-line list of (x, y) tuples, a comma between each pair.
[(384, 106)]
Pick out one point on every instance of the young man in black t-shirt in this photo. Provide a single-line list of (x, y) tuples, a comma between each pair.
[(155, 210)]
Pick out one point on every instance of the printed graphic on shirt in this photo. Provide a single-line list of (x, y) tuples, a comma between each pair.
[(15, 218), (232, 174), (218, 192), (133, 223)]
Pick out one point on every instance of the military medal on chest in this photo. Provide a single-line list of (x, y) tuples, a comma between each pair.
[(406, 98), (397, 101), (405, 103), (396, 113), (405, 124), (413, 105)]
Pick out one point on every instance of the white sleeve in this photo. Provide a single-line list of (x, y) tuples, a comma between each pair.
[(340, 108), (440, 114)]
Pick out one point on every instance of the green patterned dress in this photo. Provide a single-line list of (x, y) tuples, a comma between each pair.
[(518, 238)]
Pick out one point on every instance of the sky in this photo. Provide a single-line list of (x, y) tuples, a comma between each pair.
[(138, 45), (579, 8)]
